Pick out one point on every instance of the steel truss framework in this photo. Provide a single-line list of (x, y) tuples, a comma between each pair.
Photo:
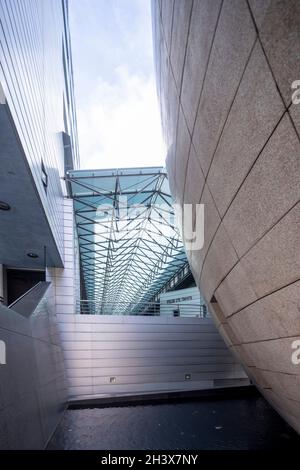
[(129, 244)]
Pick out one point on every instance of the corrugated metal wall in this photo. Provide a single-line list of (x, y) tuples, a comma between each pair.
[(131, 355)]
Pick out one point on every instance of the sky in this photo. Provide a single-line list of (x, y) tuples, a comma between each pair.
[(117, 108)]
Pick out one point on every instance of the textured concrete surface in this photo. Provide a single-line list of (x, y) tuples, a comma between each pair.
[(278, 26), (202, 28), (295, 115), (240, 59), (180, 29), (196, 180), (255, 111), (269, 191), (182, 152), (233, 42)]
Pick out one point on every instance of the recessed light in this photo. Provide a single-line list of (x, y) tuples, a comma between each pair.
[(32, 255), (4, 206)]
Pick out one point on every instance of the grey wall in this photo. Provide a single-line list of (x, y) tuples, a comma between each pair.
[(144, 354), (65, 282), (32, 382), (24, 228), (224, 76)]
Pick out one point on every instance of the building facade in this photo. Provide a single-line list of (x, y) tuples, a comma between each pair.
[(38, 144), (38, 141), (226, 73)]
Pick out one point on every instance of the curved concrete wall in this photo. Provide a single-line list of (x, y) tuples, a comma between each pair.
[(224, 75)]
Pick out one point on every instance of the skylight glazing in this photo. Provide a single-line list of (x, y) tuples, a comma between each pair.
[(129, 245)]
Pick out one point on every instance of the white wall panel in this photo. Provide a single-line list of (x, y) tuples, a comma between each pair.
[(143, 354)]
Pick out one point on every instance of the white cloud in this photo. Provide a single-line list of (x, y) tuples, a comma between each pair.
[(119, 123), (117, 109)]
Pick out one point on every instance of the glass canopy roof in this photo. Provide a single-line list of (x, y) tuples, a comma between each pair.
[(129, 245)]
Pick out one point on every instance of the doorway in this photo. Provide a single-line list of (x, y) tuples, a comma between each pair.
[(19, 281)]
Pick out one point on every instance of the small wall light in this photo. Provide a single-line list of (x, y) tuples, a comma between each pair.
[(32, 255)]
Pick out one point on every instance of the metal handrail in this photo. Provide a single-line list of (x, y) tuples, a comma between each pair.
[(24, 295), (90, 307), (27, 303)]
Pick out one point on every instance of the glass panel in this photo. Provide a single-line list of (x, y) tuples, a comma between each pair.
[(128, 244)]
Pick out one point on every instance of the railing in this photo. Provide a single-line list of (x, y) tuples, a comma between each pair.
[(89, 307), (26, 304)]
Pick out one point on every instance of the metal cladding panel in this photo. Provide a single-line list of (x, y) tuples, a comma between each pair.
[(35, 75), (137, 354)]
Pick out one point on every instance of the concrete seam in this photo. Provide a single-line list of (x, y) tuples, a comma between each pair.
[(261, 298), (256, 242), (198, 105)]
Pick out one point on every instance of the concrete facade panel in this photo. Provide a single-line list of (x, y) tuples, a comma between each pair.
[(256, 110), (235, 291), (180, 30), (269, 191), (278, 26), (233, 42), (202, 28), (273, 316), (274, 262), (246, 140)]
